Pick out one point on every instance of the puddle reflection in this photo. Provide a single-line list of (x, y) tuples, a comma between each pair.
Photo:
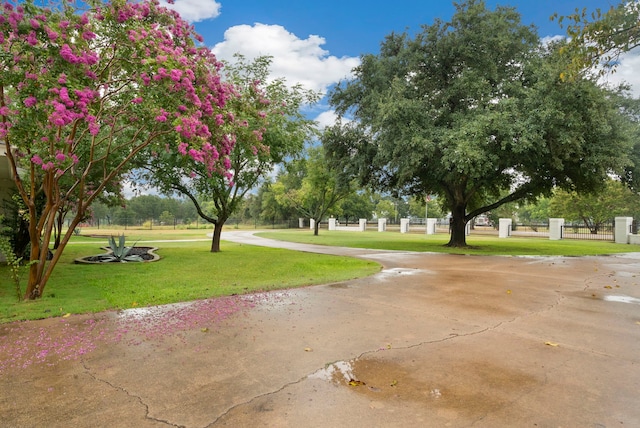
[(340, 370), (622, 299)]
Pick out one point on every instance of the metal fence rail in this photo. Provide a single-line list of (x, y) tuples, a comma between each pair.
[(603, 232), (531, 229)]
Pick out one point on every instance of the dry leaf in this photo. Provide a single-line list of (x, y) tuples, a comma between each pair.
[(550, 344), (508, 291), (308, 349), (354, 382), (608, 286), (204, 329), (393, 383), (67, 315)]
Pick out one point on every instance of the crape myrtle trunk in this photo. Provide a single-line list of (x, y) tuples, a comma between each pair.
[(217, 231)]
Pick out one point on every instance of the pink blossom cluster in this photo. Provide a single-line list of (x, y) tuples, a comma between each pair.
[(22, 345), (64, 92)]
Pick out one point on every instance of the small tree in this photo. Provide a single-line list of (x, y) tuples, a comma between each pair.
[(314, 186), (537, 212), (356, 205), (266, 127), (83, 92), (595, 209)]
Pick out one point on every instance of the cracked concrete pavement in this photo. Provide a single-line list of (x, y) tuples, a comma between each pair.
[(432, 340)]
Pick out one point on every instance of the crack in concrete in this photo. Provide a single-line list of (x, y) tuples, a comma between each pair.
[(415, 345), (361, 355), (136, 397)]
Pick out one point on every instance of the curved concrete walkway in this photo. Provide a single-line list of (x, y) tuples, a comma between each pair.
[(432, 340)]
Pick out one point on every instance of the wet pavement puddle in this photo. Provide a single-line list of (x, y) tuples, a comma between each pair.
[(622, 299)]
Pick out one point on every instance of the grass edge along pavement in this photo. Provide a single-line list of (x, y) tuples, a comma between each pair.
[(478, 244), (180, 276), (187, 271)]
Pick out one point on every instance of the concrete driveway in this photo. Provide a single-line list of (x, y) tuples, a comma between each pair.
[(432, 340)]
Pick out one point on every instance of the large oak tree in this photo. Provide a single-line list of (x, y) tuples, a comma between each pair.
[(474, 110)]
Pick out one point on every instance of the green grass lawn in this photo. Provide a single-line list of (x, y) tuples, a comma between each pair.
[(479, 244), (187, 271)]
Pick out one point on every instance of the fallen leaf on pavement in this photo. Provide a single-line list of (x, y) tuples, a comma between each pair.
[(354, 382), (550, 344)]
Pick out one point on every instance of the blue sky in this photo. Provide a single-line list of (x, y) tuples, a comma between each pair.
[(318, 43), (353, 27)]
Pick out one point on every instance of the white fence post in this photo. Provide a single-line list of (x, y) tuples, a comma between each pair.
[(431, 226), (555, 228), (312, 224), (332, 224), (505, 227), (623, 229), (363, 225), (382, 225), (404, 225)]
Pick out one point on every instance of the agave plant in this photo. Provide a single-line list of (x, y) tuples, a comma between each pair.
[(120, 252)]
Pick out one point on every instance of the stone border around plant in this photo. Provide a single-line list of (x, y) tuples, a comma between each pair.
[(81, 260)]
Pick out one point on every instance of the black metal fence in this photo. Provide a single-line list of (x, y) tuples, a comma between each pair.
[(598, 232), (530, 229)]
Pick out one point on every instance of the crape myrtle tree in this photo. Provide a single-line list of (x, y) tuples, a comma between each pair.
[(471, 108), (263, 119), (82, 92)]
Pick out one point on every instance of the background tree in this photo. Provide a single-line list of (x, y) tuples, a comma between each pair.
[(167, 218), (385, 208), (356, 205), (83, 92), (630, 107), (146, 208), (311, 186), (417, 207), (598, 38), (471, 108), (266, 127), (595, 209), (270, 209), (537, 212)]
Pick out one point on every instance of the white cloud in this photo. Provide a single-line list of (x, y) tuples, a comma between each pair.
[(551, 39), (194, 10), (326, 118), (297, 60), (627, 72)]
